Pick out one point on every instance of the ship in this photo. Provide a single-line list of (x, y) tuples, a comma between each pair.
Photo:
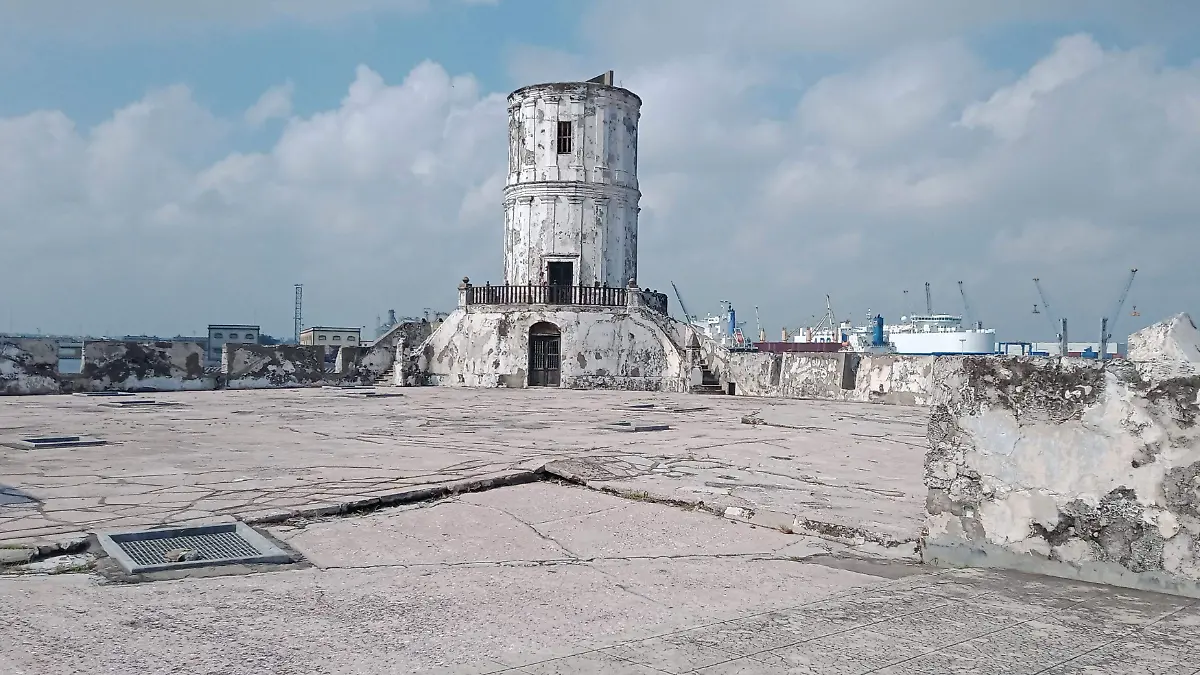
[(936, 334), (929, 334)]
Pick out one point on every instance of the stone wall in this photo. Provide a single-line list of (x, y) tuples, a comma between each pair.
[(247, 366), (28, 366), (379, 357), (1068, 467), (627, 348), (838, 376), (135, 366)]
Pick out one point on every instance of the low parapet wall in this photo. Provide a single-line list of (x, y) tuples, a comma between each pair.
[(28, 366), (1067, 467), (136, 366), (839, 376), (247, 366)]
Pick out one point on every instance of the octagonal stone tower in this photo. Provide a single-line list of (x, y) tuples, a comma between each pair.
[(571, 199)]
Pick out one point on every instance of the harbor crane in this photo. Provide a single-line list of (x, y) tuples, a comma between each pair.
[(682, 307), (967, 311), (1060, 326), (1106, 325)]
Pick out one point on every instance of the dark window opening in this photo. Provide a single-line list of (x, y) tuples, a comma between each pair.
[(560, 276), (564, 138)]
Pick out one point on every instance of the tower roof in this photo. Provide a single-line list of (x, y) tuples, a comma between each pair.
[(605, 80)]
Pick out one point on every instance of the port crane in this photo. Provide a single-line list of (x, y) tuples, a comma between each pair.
[(682, 307), (1061, 332), (1105, 325), (967, 311)]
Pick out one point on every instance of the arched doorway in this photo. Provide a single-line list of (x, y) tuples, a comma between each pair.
[(545, 355)]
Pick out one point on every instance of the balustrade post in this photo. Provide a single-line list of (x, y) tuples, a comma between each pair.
[(633, 296), (464, 290)]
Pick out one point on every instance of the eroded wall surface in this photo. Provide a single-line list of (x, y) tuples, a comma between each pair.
[(579, 205), (874, 378), (631, 349), (246, 366), (134, 366), (1069, 467), (28, 366)]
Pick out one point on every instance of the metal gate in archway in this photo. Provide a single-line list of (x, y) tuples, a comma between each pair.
[(545, 355)]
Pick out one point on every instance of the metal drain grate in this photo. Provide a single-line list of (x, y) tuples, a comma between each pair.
[(140, 403), (41, 442), (186, 547), (657, 407), (629, 425)]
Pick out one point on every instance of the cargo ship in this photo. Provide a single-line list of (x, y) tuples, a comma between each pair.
[(929, 334)]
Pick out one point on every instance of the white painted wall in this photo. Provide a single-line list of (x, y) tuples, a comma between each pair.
[(630, 349), (582, 206)]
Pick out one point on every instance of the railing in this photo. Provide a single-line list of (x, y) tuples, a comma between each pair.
[(594, 296)]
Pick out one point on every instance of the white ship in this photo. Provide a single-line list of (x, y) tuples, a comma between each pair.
[(923, 334), (939, 334)]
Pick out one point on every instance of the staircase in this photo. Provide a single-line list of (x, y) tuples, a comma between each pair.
[(709, 383), (387, 378)]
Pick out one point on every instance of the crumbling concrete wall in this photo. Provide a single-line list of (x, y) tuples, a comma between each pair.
[(839, 376), (248, 366), (367, 365), (1069, 467), (28, 366), (135, 366), (628, 348)]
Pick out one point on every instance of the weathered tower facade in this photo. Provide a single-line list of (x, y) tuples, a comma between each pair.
[(571, 199)]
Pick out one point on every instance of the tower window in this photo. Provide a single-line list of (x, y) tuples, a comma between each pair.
[(564, 138)]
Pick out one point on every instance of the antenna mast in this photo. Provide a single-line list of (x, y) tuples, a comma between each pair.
[(299, 315)]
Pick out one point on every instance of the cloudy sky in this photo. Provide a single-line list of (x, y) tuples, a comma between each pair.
[(165, 165)]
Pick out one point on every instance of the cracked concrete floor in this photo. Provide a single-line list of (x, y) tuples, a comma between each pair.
[(547, 578), (269, 454)]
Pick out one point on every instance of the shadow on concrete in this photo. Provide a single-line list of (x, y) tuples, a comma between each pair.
[(11, 496)]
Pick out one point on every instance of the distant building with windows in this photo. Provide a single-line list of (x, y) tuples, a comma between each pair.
[(221, 335), (327, 335)]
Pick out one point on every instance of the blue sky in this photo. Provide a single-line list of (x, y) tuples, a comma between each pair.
[(792, 148)]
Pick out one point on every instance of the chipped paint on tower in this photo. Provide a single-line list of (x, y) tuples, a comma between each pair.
[(571, 199)]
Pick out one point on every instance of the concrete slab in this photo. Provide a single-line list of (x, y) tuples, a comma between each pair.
[(269, 455), (472, 608)]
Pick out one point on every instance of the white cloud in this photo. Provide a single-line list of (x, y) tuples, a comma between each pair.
[(1007, 111), (1077, 169), (922, 164), (137, 212), (275, 103)]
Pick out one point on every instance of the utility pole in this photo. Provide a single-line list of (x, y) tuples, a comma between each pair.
[(299, 316), (1062, 340)]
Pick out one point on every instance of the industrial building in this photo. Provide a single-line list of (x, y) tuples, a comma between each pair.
[(221, 334), (329, 335)]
